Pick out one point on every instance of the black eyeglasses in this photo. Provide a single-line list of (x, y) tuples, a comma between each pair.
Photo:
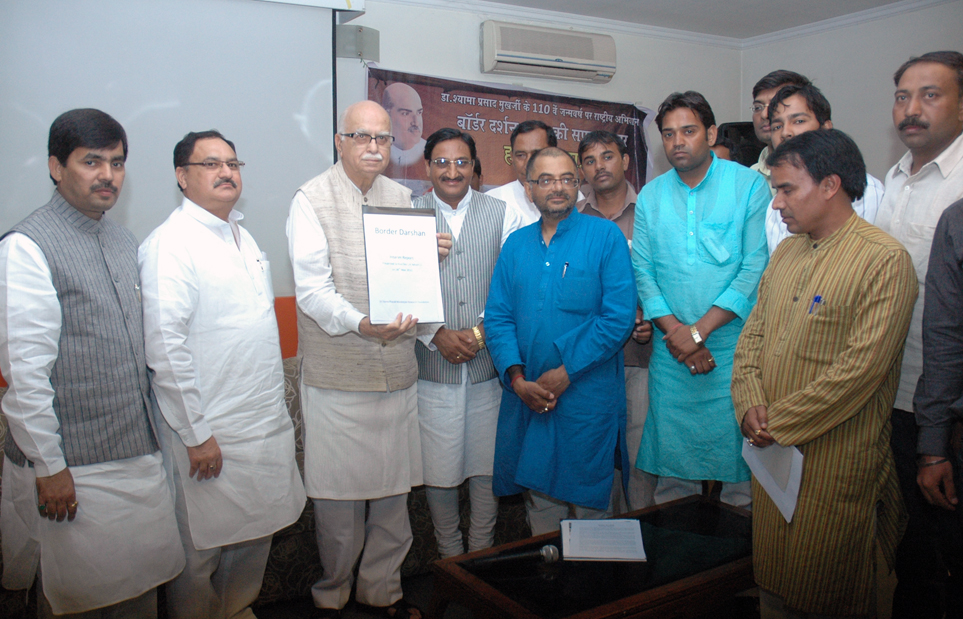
[(213, 165), (363, 139), (547, 181)]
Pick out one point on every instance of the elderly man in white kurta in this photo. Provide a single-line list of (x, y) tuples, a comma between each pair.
[(213, 344), (362, 452)]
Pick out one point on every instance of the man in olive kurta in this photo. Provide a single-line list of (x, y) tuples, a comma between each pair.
[(817, 366)]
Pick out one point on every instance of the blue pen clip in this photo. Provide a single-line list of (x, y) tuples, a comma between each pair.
[(817, 301)]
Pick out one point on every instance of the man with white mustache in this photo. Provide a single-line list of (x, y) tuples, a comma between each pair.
[(362, 448)]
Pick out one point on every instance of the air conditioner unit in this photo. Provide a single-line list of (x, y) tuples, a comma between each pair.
[(546, 52)]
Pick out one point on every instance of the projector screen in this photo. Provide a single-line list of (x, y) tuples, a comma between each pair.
[(259, 72)]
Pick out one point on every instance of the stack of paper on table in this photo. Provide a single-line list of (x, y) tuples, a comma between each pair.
[(602, 540)]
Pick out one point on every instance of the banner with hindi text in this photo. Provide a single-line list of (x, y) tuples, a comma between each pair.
[(489, 113)]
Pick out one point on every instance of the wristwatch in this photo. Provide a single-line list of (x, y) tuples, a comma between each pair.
[(696, 336)]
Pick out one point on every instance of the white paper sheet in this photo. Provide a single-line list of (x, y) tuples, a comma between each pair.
[(778, 470), (401, 253), (602, 540)]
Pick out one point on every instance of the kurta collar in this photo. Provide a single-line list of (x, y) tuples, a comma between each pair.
[(74, 217), (709, 172), (569, 222), (945, 162), (205, 217), (834, 238), (462, 204)]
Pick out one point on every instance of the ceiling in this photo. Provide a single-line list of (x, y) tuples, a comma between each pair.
[(737, 19)]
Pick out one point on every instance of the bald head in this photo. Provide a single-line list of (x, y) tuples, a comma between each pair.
[(362, 157), (403, 105)]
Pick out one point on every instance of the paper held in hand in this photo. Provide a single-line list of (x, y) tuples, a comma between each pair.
[(778, 469), (602, 540), (401, 255)]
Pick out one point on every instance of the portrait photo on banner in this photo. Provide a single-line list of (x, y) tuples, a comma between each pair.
[(420, 105)]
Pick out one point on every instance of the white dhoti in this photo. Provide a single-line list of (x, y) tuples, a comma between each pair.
[(361, 449), (123, 542)]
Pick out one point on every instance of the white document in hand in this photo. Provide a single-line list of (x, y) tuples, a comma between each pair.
[(602, 540), (401, 254), (778, 470)]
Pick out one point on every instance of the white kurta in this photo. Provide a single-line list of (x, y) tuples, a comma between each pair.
[(357, 445), (213, 344), (124, 540), (458, 421)]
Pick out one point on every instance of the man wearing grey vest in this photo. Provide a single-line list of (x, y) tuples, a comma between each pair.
[(458, 388), (362, 447), (82, 445), (213, 345)]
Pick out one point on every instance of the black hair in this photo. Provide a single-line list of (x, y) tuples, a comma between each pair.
[(822, 153), (780, 77), (83, 128), (185, 148), (477, 168), (951, 59), (445, 134), (814, 97), (533, 125), (688, 99), (601, 137)]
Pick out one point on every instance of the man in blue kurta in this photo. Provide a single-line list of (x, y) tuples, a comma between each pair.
[(699, 249), (561, 305)]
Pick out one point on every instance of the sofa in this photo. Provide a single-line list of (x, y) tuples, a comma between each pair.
[(294, 564)]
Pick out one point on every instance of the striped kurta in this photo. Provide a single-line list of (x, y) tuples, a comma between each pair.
[(828, 374)]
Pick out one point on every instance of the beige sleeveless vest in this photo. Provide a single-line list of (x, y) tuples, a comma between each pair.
[(351, 362)]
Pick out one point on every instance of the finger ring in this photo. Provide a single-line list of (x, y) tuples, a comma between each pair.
[(212, 467), (457, 356), (711, 360), (545, 410), (750, 441), (758, 432), (42, 507), (692, 367), (73, 505)]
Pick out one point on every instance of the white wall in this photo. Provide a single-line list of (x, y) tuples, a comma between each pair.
[(259, 72), (447, 45), (854, 67)]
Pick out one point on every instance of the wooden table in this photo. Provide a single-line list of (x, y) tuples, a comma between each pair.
[(699, 551)]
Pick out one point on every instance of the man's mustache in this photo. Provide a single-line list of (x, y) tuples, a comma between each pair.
[(225, 180), (913, 121), (372, 157), (104, 185)]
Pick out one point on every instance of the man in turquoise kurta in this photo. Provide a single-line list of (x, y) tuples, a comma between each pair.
[(699, 249), (561, 306)]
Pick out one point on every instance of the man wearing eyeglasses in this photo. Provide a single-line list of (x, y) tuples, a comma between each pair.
[(699, 249), (212, 343), (362, 447), (458, 394), (763, 92), (561, 305)]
